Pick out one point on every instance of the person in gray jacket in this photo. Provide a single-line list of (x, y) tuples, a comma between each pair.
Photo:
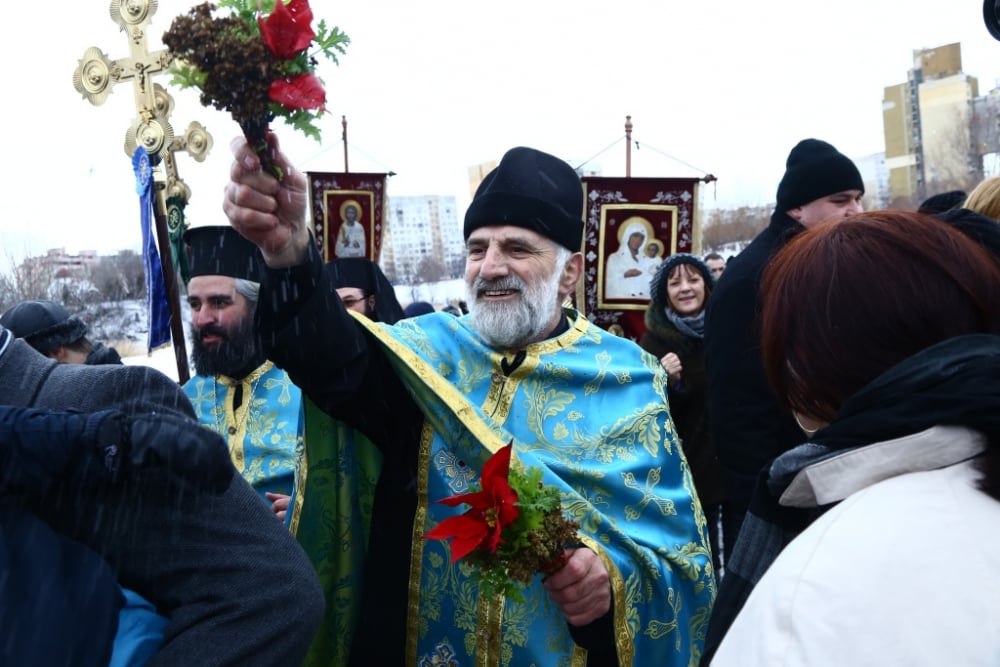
[(236, 587)]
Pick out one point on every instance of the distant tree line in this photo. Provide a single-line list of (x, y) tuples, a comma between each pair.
[(95, 292), (724, 228), (428, 269)]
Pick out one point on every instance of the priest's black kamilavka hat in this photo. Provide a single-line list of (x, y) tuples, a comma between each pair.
[(221, 251)]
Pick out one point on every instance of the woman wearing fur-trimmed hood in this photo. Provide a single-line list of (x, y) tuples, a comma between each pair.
[(675, 324)]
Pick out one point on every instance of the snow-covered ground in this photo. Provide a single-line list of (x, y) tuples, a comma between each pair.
[(162, 359)]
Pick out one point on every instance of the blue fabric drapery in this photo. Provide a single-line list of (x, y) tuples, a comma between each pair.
[(156, 288)]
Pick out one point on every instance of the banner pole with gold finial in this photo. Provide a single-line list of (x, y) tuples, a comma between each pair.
[(343, 124), (628, 146)]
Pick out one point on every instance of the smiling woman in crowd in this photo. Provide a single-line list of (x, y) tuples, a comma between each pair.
[(675, 328)]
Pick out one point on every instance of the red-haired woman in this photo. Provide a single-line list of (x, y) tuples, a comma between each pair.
[(877, 541)]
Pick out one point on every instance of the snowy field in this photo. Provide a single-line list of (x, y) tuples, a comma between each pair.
[(162, 359)]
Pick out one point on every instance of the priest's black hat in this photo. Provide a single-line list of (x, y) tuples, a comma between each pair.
[(221, 251), (534, 190), (366, 275)]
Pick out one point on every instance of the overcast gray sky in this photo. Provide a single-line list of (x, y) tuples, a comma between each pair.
[(432, 88)]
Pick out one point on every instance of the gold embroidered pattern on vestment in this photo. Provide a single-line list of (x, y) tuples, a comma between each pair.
[(236, 421)]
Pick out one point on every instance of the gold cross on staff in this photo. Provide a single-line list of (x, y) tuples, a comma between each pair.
[(96, 74), (95, 77), (196, 142)]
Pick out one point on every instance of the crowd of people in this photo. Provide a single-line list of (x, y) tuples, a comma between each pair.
[(801, 448)]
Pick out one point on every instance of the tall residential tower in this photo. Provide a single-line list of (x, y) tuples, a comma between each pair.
[(929, 146)]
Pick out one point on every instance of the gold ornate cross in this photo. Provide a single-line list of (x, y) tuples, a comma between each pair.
[(94, 78), (96, 74)]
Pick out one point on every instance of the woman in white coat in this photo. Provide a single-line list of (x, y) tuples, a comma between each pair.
[(877, 542)]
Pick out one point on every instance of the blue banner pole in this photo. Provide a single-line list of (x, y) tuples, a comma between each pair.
[(161, 289)]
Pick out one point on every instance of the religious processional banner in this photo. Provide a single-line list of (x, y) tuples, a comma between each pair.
[(631, 226), (348, 212), (156, 289)]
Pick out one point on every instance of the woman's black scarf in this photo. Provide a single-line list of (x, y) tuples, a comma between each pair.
[(953, 383)]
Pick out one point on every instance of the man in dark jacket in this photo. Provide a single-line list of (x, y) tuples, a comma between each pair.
[(200, 546), (52, 582), (748, 429), (48, 580), (49, 328)]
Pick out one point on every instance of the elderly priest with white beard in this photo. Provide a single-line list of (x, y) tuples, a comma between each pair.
[(439, 394)]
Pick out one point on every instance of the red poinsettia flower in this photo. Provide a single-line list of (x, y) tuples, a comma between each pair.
[(288, 29), (302, 91), (493, 508)]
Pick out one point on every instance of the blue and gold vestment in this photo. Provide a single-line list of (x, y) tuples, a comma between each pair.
[(589, 409), (264, 432)]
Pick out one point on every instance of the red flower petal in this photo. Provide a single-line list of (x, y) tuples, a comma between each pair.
[(467, 530), (303, 91), (478, 499), (287, 30), (462, 547), (498, 465), (493, 509), (507, 509)]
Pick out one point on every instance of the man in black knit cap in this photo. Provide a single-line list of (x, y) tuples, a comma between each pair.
[(49, 328), (748, 428), (942, 202)]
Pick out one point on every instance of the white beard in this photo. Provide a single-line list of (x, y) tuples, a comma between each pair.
[(513, 324)]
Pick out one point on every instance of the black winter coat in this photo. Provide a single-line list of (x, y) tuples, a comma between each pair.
[(59, 600), (217, 564), (689, 401), (748, 427)]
